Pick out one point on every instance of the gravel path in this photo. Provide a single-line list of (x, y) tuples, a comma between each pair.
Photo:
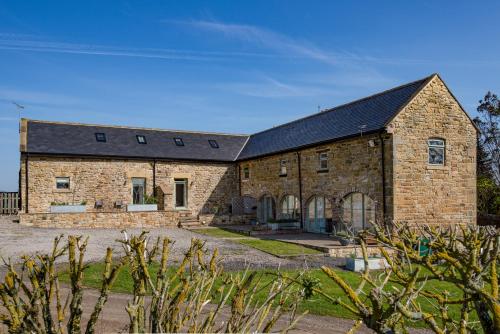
[(17, 240)]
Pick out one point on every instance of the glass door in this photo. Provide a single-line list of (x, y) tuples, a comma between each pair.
[(138, 190), (180, 200)]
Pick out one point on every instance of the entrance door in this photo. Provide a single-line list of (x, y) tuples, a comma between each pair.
[(315, 218), (180, 194)]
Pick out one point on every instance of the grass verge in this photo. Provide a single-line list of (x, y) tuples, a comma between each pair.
[(274, 247)]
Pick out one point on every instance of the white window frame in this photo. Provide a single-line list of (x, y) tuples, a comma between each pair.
[(323, 158), (65, 180), (283, 167), (436, 144)]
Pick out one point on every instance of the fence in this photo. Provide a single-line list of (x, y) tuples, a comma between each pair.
[(9, 203)]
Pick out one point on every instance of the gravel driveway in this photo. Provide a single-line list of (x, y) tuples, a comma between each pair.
[(17, 240)]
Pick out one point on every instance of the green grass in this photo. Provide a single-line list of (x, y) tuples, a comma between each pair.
[(275, 247), (316, 305)]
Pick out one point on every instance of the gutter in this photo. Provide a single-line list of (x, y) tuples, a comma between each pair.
[(300, 192), (382, 153)]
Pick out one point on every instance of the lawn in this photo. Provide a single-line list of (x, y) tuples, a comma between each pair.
[(316, 305), (277, 248)]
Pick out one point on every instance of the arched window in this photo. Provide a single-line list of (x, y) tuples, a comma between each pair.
[(290, 207), (265, 209), (358, 210), (318, 211), (436, 151)]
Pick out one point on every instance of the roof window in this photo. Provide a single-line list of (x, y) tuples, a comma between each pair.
[(178, 141), (213, 143), (100, 137), (141, 139)]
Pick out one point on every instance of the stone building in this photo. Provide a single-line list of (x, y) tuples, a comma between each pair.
[(406, 154)]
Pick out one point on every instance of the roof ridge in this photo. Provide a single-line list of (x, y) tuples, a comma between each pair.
[(423, 80), (137, 128)]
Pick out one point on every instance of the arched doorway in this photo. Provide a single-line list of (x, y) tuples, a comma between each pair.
[(358, 210), (318, 211), (265, 209), (290, 207)]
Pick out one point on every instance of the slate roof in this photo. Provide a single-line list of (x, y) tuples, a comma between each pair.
[(371, 113), (78, 139)]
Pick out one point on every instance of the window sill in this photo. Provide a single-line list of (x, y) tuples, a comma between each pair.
[(438, 167), (322, 170), (62, 191)]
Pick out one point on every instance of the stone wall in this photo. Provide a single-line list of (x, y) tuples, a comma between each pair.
[(210, 185), (354, 166), (434, 194), (101, 219)]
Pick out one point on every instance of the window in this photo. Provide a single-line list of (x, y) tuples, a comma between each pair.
[(290, 207), (180, 193), (283, 167), (178, 142), (436, 151), (213, 143), (323, 160), (101, 137), (138, 190), (358, 210), (62, 182), (141, 139), (246, 173)]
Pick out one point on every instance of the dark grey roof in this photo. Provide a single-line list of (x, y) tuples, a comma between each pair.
[(372, 113), (76, 139)]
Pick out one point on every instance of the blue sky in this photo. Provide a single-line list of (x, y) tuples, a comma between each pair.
[(229, 66)]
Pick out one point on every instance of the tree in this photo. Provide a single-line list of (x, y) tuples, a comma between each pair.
[(489, 138)]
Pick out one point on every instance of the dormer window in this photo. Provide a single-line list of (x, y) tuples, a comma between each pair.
[(179, 141), (141, 139), (436, 151), (213, 143), (100, 137)]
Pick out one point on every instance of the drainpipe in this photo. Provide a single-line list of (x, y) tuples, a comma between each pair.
[(238, 166), (382, 153), (26, 181), (154, 178), (300, 192)]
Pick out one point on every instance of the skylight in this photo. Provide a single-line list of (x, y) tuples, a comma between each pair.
[(141, 139), (213, 143), (101, 137), (178, 141)]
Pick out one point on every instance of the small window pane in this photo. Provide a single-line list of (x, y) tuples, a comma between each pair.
[(138, 190), (213, 143), (283, 167), (436, 151), (323, 160), (62, 182), (179, 141), (101, 137), (141, 139), (246, 172)]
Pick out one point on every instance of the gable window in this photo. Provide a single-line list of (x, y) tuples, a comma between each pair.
[(246, 173), (100, 137), (323, 161), (179, 141), (213, 143), (283, 168), (62, 182), (138, 190), (141, 139), (436, 151)]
